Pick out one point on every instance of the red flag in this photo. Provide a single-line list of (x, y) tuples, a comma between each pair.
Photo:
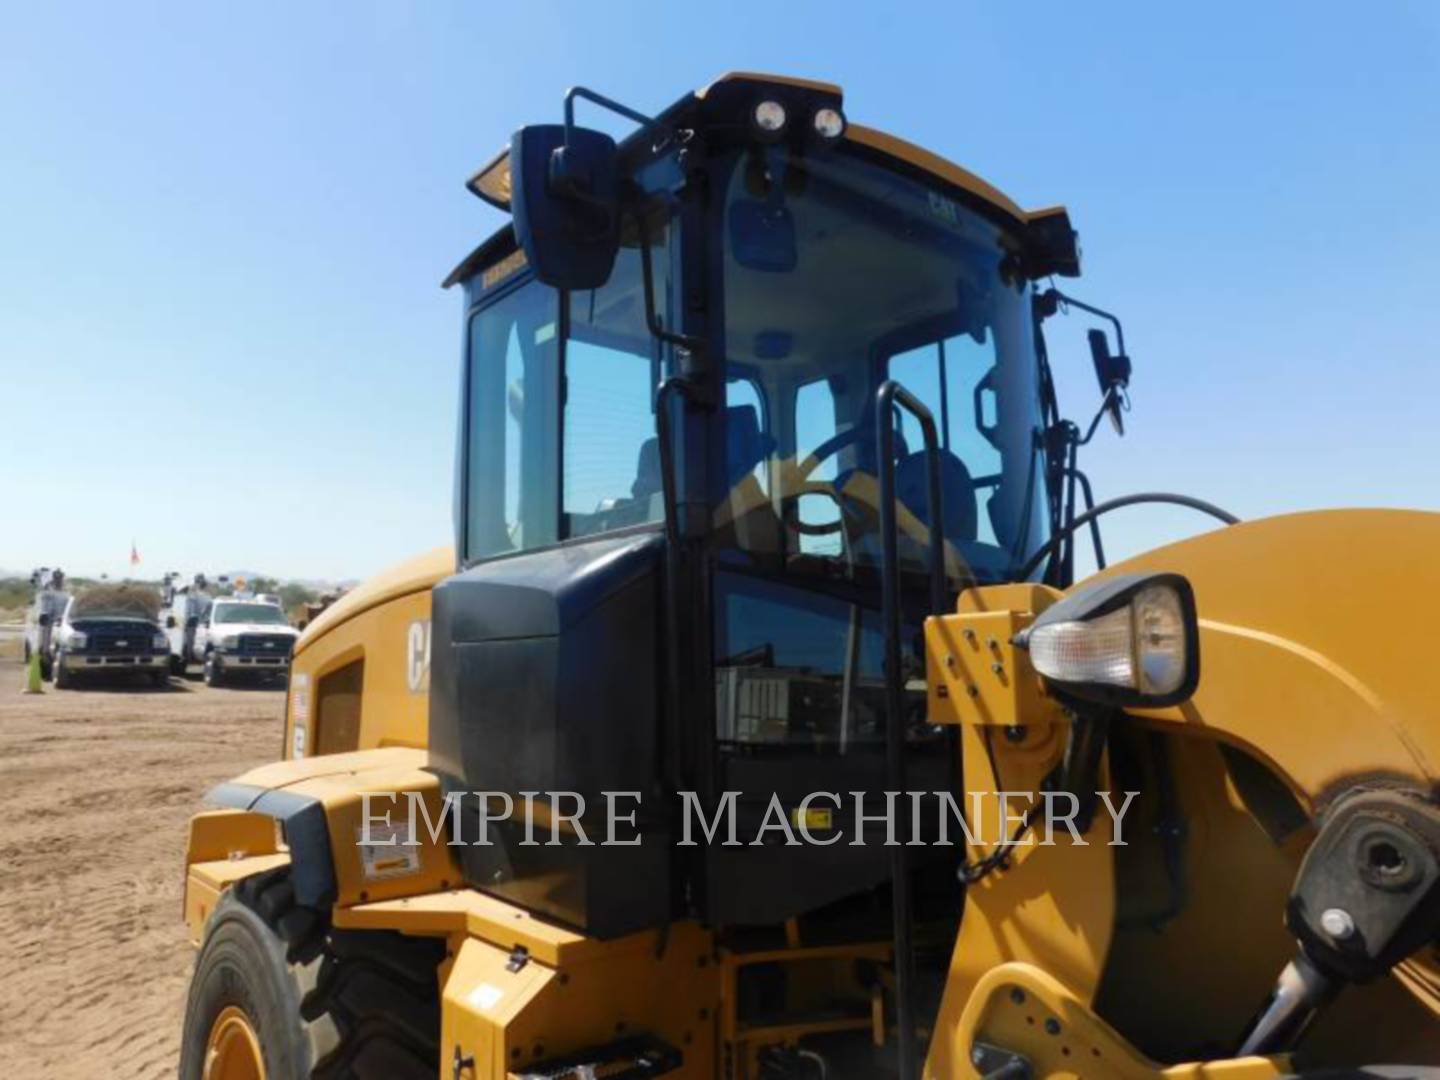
[(134, 554)]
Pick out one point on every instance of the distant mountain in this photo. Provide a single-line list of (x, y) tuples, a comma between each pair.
[(319, 585), (326, 584)]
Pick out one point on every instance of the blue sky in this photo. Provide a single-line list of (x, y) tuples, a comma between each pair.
[(224, 228)]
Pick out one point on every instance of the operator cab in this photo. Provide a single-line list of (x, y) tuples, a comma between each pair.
[(726, 636)]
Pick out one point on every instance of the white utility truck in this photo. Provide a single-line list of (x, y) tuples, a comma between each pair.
[(244, 636), (108, 629)]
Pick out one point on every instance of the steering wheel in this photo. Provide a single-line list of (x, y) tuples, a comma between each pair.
[(799, 484)]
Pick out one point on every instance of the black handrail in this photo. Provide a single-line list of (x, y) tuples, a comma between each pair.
[(674, 386), (1089, 494), (652, 320), (890, 394)]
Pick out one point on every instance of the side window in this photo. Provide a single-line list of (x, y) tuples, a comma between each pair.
[(749, 425), (511, 417), (960, 365), (814, 424), (612, 369)]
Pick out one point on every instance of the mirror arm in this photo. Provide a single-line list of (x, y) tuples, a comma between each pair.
[(1110, 400), (1070, 301), (647, 122)]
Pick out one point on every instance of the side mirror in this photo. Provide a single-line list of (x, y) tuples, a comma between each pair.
[(1129, 640), (566, 204), (191, 623), (170, 622), (44, 619), (1112, 371), (762, 236)]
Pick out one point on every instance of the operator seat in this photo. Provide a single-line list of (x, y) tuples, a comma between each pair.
[(648, 481), (957, 493), (746, 447)]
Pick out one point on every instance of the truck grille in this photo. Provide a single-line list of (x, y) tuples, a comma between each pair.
[(267, 645), (120, 641)]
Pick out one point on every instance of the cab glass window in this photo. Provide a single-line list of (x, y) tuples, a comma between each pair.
[(512, 471), (955, 381), (613, 366), (816, 425)]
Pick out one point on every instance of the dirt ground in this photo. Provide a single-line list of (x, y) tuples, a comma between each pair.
[(100, 783)]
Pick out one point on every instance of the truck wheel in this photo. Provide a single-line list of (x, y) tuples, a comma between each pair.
[(213, 676), (177, 666), (63, 679), (277, 993), (160, 679)]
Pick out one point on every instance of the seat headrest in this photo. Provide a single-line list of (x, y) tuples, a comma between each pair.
[(647, 470), (746, 444), (746, 447), (957, 494)]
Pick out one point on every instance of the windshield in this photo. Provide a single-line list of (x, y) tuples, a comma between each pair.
[(249, 613), (839, 274), (116, 602)]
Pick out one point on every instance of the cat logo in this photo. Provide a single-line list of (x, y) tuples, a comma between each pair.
[(417, 657)]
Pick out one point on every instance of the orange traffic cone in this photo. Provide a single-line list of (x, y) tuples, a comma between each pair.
[(33, 684)]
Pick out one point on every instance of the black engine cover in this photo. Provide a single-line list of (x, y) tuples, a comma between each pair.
[(544, 678)]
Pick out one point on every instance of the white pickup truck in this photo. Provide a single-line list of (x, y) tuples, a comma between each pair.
[(109, 629), (243, 637)]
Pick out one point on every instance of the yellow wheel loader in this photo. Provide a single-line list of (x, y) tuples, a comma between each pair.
[(756, 726)]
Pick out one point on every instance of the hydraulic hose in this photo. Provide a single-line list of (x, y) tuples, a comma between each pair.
[(1069, 528)]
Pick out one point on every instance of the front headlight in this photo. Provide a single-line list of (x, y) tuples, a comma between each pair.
[(77, 639), (159, 641), (1129, 640), (230, 641)]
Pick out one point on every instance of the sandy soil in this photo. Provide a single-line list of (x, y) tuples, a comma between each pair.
[(100, 783)]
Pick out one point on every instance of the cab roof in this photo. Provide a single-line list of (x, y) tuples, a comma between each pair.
[(492, 182)]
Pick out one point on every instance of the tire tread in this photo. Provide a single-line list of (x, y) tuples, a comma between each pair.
[(369, 1000)]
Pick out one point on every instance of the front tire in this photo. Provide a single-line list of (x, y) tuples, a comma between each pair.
[(63, 679), (213, 674), (319, 1002)]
